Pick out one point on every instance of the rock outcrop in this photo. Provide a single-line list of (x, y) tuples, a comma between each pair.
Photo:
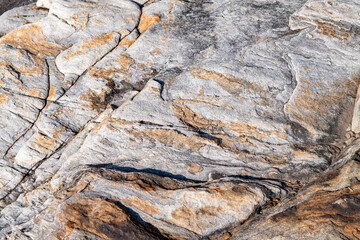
[(174, 119)]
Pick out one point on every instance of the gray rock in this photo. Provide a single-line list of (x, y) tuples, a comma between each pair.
[(10, 4), (180, 120)]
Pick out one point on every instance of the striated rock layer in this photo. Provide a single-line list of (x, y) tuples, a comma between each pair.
[(174, 119)]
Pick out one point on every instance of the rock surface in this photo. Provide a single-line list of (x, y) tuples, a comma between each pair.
[(174, 119)]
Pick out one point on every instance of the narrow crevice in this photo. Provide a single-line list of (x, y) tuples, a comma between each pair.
[(72, 26), (39, 113), (12, 167), (31, 171), (136, 219), (109, 52), (9, 91), (351, 153), (111, 168), (13, 194), (21, 117), (160, 182), (85, 72), (18, 77), (293, 84), (62, 124)]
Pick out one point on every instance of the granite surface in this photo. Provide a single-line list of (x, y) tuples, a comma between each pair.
[(180, 119)]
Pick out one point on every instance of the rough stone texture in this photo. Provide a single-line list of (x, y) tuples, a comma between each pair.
[(9, 4), (174, 119)]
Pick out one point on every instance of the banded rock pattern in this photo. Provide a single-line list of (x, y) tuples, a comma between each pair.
[(174, 119)]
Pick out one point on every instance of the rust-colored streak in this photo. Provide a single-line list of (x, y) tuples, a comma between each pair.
[(171, 138), (95, 42), (40, 9), (194, 120), (95, 101), (149, 2), (3, 98), (144, 206), (51, 92), (30, 37), (126, 42), (124, 62), (332, 30), (36, 69), (147, 22), (194, 168), (44, 142), (213, 203), (325, 206), (120, 66), (155, 52), (144, 181), (231, 84), (82, 20), (243, 132), (101, 218), (90, 43), (314, 106)]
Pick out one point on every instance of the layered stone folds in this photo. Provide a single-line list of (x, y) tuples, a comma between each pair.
[(171, 119)]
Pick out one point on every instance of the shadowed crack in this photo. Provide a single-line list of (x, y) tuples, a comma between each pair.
[(154, 180), (291, 201), (40, 111), (134, 170), (46, 103)]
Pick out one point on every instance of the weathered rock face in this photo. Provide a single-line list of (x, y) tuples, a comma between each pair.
[(9, 4), (174, 119)]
